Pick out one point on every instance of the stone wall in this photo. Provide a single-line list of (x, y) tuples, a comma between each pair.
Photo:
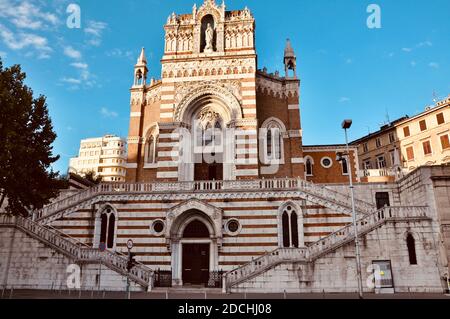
[(335, 272), (26, 263)]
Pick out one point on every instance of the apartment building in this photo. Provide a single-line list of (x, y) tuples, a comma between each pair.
[(406, 144), (105, 156), (424, 138), (379, 154)]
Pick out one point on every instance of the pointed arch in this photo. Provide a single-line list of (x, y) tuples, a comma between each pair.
[(151, 144), (309, 166), (411, 244), (106, 220), (290, 226), (272, 136)]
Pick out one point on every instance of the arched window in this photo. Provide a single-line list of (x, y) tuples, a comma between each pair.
[(208, 135), (411, 243), (286, 235), (108, 228), (309, 166), (344, 167), (111, 230), (139, 78), (150, 150), (294, 229), (273, 130), (269, 144), (290, 228), (210, 127)]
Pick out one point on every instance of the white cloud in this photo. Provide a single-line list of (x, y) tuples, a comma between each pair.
[(107, 113), (26, 15), (406, 49), (344, 99), (22, 40), (71, 80), (425, 44), (3, 54), (80, 65), (95, 30), (433, 65), (72, 53), (118, 53)]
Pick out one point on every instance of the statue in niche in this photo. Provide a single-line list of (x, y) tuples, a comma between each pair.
[(209, 39)]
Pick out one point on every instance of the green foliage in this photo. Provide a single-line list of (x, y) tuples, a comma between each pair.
[(92, 177), (26, 135)]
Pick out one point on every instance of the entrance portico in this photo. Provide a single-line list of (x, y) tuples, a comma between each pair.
[(194, 236)]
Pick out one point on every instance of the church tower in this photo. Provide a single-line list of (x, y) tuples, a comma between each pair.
[(290, 60), (210, 83)]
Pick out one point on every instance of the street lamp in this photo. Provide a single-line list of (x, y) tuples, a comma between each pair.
[(347, 124)]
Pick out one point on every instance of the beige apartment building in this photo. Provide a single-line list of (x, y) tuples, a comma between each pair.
[(424, 138), (379, 154), (105, 156), (406, 144)]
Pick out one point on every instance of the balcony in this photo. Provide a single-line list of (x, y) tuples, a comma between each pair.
[(381, 175)]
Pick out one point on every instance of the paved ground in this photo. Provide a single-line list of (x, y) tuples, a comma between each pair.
[(190, 295)]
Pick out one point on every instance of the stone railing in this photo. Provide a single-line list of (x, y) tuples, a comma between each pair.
[(326, 194), (382, 172), (263, 263), (321, 247), (364, 226), (79, 251)]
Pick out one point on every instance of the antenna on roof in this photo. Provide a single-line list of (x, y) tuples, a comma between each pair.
[(435, 97), (387, 116)]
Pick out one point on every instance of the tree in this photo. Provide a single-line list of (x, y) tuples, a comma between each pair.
[(92, 177), (26, 134)]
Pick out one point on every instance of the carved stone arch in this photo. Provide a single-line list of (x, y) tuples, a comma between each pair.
[(181, 215), (151, 129), (208, 10), (272, 119), (105, 206), (204, 93), (309, 157)]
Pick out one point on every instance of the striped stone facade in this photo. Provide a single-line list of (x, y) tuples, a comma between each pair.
[(257, 213)]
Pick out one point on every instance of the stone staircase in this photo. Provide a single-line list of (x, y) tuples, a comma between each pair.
[(319, 195), (78, 251), (322, 247)]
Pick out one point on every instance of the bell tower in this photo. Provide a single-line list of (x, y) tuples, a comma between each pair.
[(290, 60), (140, 70)]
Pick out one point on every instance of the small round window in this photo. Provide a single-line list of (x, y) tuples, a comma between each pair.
[(158, 227), (233, 227), (326, 162)]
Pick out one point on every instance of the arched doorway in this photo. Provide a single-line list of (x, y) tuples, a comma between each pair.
[(210, 113), (194, 233), (196, 256)]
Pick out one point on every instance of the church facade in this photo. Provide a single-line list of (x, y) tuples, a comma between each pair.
[(221, 192)]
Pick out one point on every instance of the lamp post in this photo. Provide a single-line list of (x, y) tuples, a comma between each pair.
[(346, 125)]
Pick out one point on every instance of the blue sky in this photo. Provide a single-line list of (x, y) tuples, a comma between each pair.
[(347, 70)]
